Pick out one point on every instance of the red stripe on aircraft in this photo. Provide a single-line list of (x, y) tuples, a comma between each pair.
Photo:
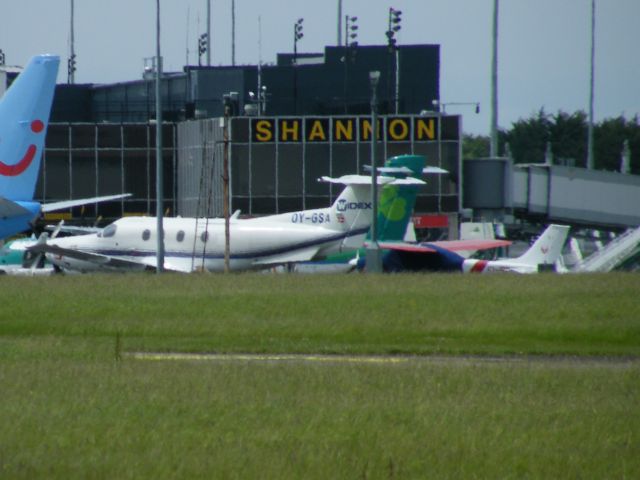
[(479, 266), (37, 126), (21, 166)]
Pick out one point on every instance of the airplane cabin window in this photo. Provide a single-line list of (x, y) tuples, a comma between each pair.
[(109, 231), (204, 237), (146, 235), (180, 236)]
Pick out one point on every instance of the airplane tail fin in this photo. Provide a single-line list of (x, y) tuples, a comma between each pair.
[(398, 191), (397, 201), (352, 209), (547, 248), (24, 116)]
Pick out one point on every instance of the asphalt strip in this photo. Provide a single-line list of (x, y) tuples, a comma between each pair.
[(384, 359)]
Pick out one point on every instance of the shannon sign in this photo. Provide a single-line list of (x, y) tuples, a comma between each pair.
[(349, 129)]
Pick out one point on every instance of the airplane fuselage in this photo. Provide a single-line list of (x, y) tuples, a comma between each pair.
[(199, 244), (493, 266)]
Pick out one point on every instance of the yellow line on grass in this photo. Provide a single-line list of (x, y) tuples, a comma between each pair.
[(266, 357), (576, 361)]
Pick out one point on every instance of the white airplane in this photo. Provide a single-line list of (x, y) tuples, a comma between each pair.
[(24, 116), (442, 256), (193, 244)]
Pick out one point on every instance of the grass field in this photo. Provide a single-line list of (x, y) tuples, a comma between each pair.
[(565, 402)]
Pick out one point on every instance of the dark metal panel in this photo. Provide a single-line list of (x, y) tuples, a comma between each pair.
[(285, 156), (484, 183), (289, 173)]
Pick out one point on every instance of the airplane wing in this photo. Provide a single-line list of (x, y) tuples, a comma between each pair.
[(97, 258), (465, 245), (144, 263), (151, 264), (303, 255), (451, 245), (50, 207)]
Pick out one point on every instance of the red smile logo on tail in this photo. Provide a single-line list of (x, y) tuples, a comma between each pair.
[(12, 170)]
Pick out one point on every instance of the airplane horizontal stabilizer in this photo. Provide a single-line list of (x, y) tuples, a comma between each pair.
[(51, 207), (356, 180), (366, 180), (10, 209), (407, 170)]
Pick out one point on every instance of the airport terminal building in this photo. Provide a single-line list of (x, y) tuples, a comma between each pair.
[(290, 123)]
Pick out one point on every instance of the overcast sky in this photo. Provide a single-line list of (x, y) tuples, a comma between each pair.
[(544, 45)]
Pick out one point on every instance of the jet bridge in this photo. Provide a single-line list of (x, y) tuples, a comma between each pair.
[(545, 193), (577, 195)]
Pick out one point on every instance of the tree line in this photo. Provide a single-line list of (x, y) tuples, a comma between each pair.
[(563, 137)]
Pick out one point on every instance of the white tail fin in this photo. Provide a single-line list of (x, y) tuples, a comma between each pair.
[(547, 247), (353, 209)]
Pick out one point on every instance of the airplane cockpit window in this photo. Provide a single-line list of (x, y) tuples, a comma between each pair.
[(108, 231), (204, 237), (180, 236), (146, 235)]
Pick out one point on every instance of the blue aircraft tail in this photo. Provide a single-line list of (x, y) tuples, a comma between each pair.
[(24, 116)]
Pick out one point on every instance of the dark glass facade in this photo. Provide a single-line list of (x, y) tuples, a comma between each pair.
[(84, 160), (275, 162), (313, 121)]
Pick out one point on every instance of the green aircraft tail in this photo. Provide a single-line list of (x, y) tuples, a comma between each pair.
[(394, 210), (397, 202)]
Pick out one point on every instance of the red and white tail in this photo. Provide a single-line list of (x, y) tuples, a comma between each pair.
[(547, 248)]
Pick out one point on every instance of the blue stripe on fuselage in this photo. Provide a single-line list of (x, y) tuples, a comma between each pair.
[(212, 256)]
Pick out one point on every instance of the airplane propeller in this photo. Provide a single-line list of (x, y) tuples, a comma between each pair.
[(36, 260)]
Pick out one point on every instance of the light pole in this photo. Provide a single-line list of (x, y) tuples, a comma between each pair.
[(159, 166), (203, 47), (373, 256), (350, 31), (208, 31), (297, 35), (339, 23), (393, 28), (439, 109), (233, 33), (71, 63), (226, 99), (493, 144), (590, 162), (350, 44)]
